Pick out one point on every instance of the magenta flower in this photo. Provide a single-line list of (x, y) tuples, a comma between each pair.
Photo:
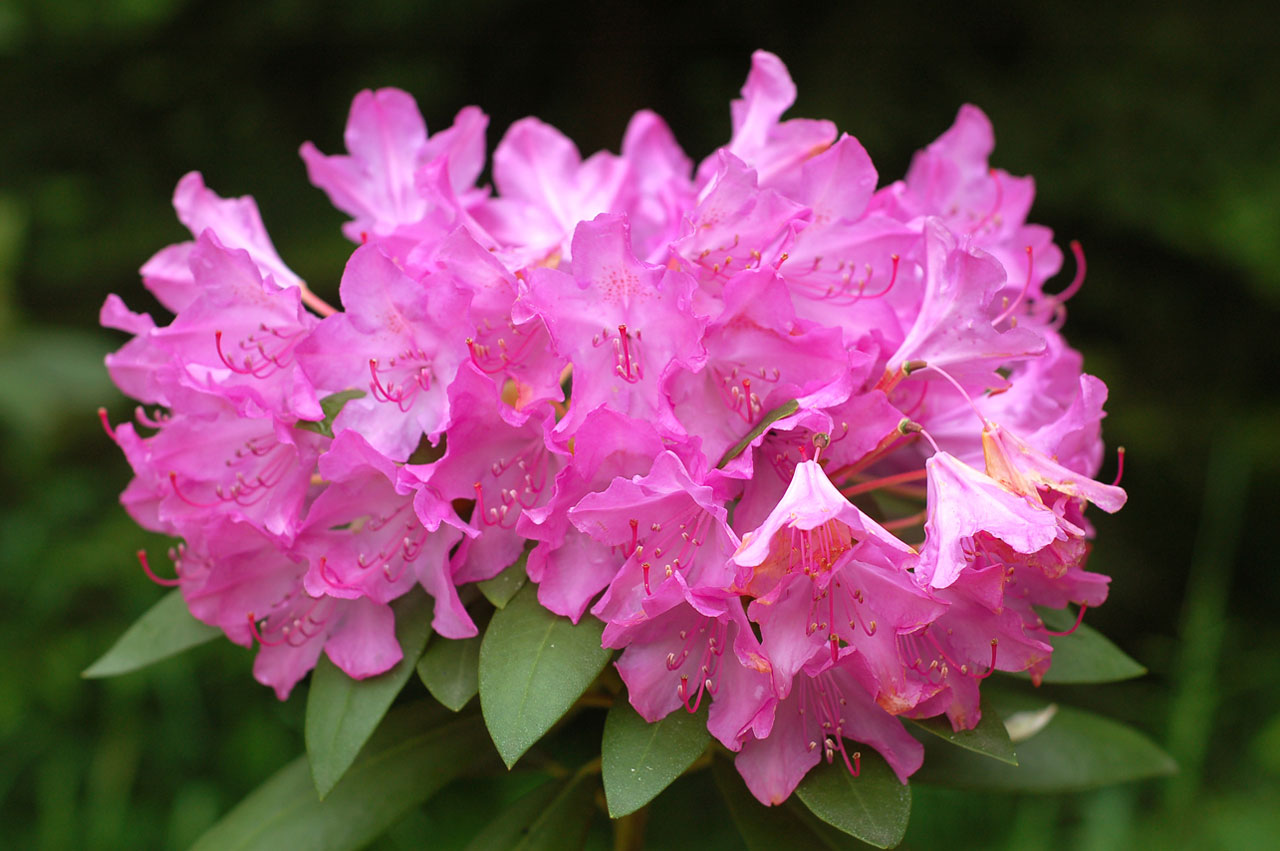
[(826, 577), (238, 580), (364, 538), (622, 324), (827, 707), (571, 567), (677, 396), (396, 342)]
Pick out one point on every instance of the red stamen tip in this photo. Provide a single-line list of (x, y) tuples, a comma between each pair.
[(1079, 620), (257, 635), (106, 423), (146, 567)]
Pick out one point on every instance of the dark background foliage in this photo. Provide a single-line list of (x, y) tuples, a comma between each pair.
[(1153, 132)]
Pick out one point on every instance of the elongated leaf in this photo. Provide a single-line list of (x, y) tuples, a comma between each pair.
[(873, 806), (408, 760), (989, 738), (1075, 750), (640, 759), (332, 406), (456, 814), (500, 589), (552, 817), (507, 826), (786, 409), (1085, 656), (770, 828), (449, 670), (533, 666), (342, 713), (165, 630)]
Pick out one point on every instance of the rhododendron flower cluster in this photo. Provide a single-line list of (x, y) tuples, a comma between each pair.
[(812, 448)]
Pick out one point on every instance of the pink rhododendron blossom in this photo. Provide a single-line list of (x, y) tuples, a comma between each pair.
[(814, 450), (396, 342)]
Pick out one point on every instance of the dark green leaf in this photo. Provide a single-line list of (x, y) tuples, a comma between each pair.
[(165, 630), (769, 828), (342, 713), (786, 409), (506, 828), (332, 406), (449, 670), (989, 738), (1085, 656), (533, 666), (640, 759), (873, 806), (468, 805), (500, 589), (407, 760), (552, 817), (1075, 750)]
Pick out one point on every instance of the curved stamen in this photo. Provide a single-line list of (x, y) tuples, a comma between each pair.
[(960, 390), (1026, 287), (253, 628), (995, 177), (1120, 466), (173, 480), (1078, 280), (893, 279), (106, 423), (1079, 620), (330, 576), (995, 642), (146, 567)]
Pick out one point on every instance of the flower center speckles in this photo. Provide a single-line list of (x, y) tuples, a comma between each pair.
[(399, 378)]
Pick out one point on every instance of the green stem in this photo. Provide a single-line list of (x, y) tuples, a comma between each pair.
[(628, 831)]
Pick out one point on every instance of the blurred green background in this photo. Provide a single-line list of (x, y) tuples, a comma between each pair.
[(1153, 132)]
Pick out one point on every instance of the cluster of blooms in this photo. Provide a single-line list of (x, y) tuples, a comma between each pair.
[(698, 399)]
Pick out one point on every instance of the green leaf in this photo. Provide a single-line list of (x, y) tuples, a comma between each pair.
[(1085, 656), (410, 758), (507, 826), (769, 828), (640, 759), (449, 670), (1075, 750), (552, 817), (165, 630), (533, 666), (874, 806), (500, 589), (989, 738), (786, 409), (332, 406), (342, 712)]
